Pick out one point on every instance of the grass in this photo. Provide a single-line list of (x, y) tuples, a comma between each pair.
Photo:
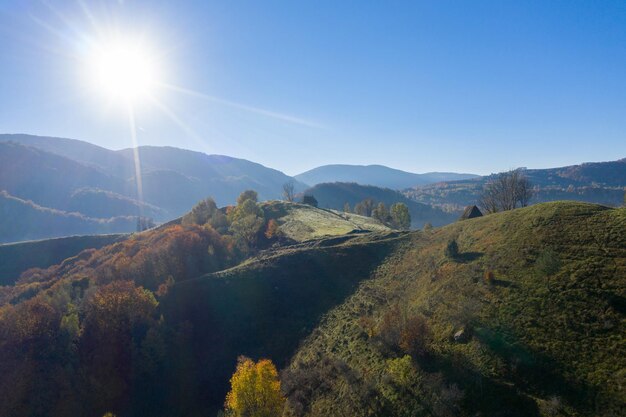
[(535, 337), (301, 222)]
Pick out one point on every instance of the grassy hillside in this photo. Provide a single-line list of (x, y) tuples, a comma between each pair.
[(16, 258), (301, 222), (541, 337), (265, 307), (335, 195)]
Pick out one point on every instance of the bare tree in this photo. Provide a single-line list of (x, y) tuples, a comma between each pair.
[(288, 191), (365, 207), (506, 192)]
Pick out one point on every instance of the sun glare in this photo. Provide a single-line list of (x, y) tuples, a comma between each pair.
[(124, 71)]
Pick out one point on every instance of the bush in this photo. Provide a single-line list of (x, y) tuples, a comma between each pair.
[(415, 336), (310, 200), (273, 230), (368, 324), (489, 277), (201, 213), (247, 195), (452, 249)]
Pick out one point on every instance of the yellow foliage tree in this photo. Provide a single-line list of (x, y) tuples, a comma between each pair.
[(255, 390)]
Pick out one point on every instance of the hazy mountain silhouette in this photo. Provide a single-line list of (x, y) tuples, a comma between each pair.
[(378, 175)]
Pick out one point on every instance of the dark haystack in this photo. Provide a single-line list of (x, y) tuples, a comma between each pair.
[(470, 212)]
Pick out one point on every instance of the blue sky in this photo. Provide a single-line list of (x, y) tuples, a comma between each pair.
[(478, 86)]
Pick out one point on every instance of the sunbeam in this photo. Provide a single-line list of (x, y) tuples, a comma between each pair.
[(133, 134), (177, 120), (251, 109)]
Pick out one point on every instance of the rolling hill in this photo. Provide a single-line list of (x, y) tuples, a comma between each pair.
[(527, 319), (596, 182), (335, 195), (376, 175), (25, 220), (18, 257), (48, 179), (301, 222)]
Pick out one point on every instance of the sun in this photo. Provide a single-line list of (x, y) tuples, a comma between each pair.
[(124, 71)]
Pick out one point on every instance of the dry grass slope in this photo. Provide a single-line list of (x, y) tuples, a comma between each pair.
[(541, 341)]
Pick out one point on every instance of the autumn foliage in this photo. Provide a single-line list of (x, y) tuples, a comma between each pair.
[(255, 390)]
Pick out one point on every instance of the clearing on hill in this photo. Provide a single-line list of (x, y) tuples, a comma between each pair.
[(302, 222)]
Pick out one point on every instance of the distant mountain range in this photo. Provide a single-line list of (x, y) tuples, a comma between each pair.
[(377, 175), (67, 175), (595, 182), (83, 188), (336, 195)]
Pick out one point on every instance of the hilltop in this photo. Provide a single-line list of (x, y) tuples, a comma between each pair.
[(527, 319), (298, 223), (336, 195), (376, 175), (301, 222)]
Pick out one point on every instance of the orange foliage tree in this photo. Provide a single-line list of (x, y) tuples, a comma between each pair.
[(255, 390), (272, 229)]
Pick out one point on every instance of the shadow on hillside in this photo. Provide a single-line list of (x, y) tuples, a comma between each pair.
[(263, 310), (468, 256), (483, 395), (533, 372), (505, 284)]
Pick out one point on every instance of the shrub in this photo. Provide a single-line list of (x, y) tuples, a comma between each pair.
[(247, 195), (489, 277), (415, 336), (368, 324), (390, 327), (201, 213), (272, 230), (310, 200), (452, 249)]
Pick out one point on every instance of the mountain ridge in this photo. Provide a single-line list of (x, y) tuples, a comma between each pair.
[(375, 174)]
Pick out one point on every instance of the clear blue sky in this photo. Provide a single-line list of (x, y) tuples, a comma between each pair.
[(472, 86)]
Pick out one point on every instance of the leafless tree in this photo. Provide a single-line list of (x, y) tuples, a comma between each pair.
[(365, 207), (506, 192), (288, 191)]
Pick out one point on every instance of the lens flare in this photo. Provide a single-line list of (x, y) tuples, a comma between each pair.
[(124, 71)]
